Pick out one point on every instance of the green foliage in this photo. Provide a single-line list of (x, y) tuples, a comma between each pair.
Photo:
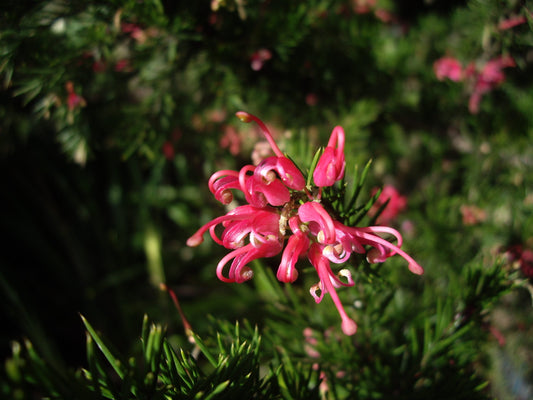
[(390, 356), (404, 347), (226, 368)]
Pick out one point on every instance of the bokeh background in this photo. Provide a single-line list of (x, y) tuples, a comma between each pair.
[(113, 115)]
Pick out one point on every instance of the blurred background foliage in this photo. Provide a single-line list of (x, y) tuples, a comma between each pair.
[(114, 113)]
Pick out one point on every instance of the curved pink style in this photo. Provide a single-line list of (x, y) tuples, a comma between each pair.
[(327, 284), (297, 245), (323, 227)]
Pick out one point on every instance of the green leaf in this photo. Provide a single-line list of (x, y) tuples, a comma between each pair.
[(115, 363), (205, 351)]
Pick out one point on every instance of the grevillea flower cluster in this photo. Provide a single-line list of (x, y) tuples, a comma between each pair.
[(288, 214)]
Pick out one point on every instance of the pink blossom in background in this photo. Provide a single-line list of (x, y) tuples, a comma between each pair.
[(135, 31), (217, 115), (231, 140), (524, 257), (470, 71), (472, 215), (491, 74), (169, 146), (526, 263), (99, 66), (385, 16), (123, 65), (282, 215), (363, 6), (370, 6), (129, 28), (311, 99), (258, 59), (481, 80), (262, 150), (490, 77), (310, 343), (396, 204), (512, 22), (74, 100), (448, 67), (168, 150)]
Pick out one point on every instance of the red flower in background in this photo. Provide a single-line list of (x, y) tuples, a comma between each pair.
[(526, 263), (524, 257), (168, 150), (258, 59), (74, 100)]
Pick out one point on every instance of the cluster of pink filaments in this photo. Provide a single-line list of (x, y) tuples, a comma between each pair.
[(284, 215)]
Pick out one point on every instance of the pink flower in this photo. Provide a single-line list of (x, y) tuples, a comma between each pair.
[(330, 167), (136, 32), (524, 257), (363, 6), (526, 263), (258, 59), (311, 99), (448, 67), (123, 65), (74, 100), (384, 16), (99, 66), (231, 140), (490, 77), (261, 151), (130, 28), (310, 343), (396, 204), (472, 215), (283, 215), (512, 22), (483, 81)]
